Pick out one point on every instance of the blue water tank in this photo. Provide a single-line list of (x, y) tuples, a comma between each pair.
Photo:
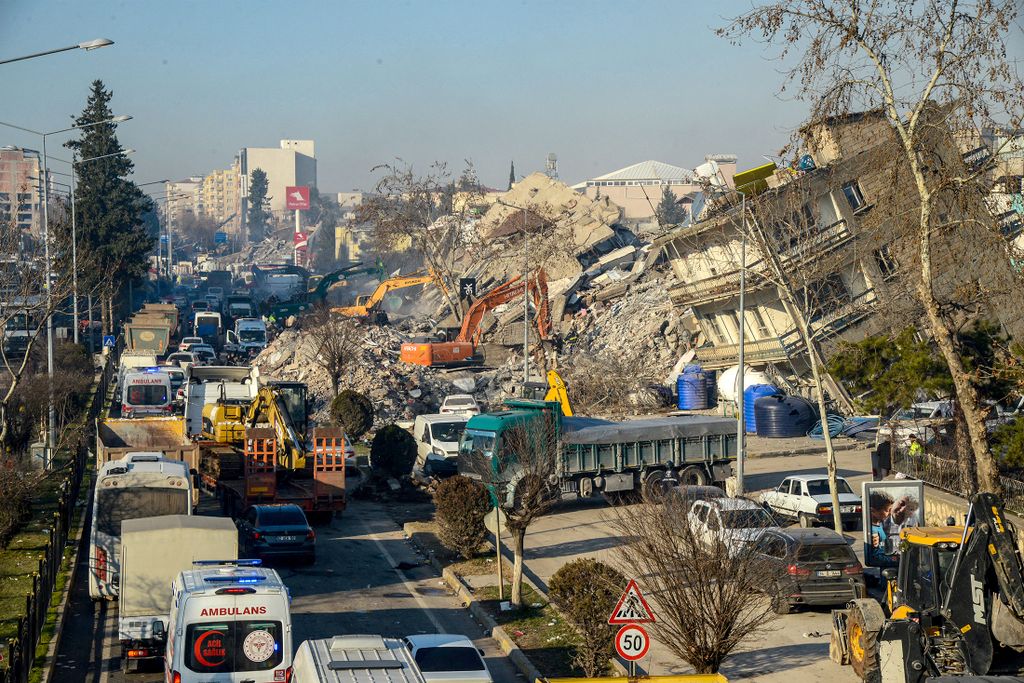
[(692, 388), (780, 417), (750, 395), (712, 387)]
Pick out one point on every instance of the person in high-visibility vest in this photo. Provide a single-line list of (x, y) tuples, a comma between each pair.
[(916, 449)]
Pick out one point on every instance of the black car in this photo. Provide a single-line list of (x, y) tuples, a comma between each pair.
[(276, 531), (808, 567)]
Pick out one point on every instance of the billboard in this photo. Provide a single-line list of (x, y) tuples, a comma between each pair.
[(888, 507), (296, 198)]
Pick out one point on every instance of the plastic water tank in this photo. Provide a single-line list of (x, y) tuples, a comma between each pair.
[(750, 397), (727, 381), (781, 416), (692, 388)]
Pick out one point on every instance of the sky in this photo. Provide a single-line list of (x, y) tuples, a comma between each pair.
[(602, 84)]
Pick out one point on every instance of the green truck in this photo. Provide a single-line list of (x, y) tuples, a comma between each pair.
[(594, 456)]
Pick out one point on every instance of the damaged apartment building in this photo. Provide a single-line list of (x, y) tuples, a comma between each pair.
[(839, 235)]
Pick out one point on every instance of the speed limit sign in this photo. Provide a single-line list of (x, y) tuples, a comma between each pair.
[(632, 642)]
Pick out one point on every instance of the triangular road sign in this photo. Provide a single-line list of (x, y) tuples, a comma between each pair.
[(632, 608)]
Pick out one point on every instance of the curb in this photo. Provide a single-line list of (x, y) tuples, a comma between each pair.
[(505, 642), (810, 450), (47, 668)]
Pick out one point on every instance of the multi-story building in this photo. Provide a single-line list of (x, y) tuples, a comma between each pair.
[(835, 236), (184, 197), (221, 196), (638, 188), (20, 189), (293, 163)]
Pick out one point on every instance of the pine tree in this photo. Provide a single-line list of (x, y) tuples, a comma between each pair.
[(512, 175), (669, 212), (114, 240), (258, 215)]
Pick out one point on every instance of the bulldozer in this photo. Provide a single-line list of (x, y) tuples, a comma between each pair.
[(953, 608)]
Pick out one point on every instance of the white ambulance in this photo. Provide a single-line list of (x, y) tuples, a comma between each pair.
[(229, 623)]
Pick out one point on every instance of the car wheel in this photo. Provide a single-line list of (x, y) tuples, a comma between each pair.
[(779, 604), (806, 520)]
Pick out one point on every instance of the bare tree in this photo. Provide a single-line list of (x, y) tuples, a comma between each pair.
[(336, 342), (928, 67), (431, 213), (521, 482), (707, 595)]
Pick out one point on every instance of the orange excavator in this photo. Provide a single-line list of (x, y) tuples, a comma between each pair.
[(462, 350)]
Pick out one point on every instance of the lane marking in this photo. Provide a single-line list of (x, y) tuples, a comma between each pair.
[(401, 575)]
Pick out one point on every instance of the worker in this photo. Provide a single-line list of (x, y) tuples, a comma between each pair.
[(916, 448), (882, 461)]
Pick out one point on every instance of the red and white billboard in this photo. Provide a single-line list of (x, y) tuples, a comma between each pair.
[(297, 198)]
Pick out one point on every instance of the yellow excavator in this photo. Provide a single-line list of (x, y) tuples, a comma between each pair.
[(554, 390), (282, 405), (369, 305)]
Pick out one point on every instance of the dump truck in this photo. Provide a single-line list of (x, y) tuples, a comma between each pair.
[(154, 550), (116, 438), (148, 335), (591, 455), (168, 311)]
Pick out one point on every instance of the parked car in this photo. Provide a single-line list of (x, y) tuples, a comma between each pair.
[(205, 353), (734, 522), (689, 494), (459, 403), (448, 658), (183, 359), (437, 444), (805, 498), (808, 567), (186, 343), (928, 420), (273, 531)]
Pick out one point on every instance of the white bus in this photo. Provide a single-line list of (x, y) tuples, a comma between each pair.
[(139, 485)]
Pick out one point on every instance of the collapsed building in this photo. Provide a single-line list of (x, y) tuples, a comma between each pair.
[(840, 232)]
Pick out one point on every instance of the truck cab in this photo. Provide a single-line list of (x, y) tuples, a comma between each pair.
[(248, 338), (229, 622), (209, 326)]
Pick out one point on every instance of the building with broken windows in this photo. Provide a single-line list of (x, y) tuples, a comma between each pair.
[(833, 243)]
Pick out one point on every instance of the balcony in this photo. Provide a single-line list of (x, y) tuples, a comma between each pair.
[(726, 285), (760, 351), (830, 325)]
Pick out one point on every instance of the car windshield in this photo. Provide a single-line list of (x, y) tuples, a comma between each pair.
[(459, 402), (819, 487), (478, 441), (825, 553), (282, 516), (746, 519), (438, 659), (447, 431), (252, 335)]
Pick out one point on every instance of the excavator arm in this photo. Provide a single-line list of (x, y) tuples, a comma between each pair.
[(270, 406), (502, 294), (364, 308)]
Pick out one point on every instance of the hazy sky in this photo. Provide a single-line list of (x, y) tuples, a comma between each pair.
[(603, 84)]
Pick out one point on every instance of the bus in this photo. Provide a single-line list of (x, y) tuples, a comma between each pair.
[(139, 485)]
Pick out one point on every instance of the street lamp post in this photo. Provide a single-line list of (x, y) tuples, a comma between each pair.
[(51, 427), (87, 45), (526, 291)]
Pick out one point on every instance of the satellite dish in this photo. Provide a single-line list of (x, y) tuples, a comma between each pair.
[(708, 171)]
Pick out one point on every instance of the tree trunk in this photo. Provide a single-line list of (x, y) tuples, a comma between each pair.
[(518, 542), (962, 446)]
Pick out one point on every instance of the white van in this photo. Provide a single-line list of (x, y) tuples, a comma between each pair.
[(355, 659), (229, 623), (147, 392), (437, 444)]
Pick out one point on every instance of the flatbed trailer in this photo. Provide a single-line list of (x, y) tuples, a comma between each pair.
[(252, 475)]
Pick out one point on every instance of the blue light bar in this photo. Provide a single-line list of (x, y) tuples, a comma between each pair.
[(252, 578), (237, 563)]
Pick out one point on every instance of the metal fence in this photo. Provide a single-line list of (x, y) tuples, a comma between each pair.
[(21, 649), (944, 473)]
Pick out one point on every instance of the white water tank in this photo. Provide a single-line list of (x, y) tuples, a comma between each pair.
[(727, 381)]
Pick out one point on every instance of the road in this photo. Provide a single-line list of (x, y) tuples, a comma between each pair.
[(796, 650), (354, 587)]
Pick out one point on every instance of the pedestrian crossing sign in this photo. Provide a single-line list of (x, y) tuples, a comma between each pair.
[(632, 608)]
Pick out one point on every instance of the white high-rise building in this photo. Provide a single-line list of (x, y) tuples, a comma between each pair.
[(293, 163)]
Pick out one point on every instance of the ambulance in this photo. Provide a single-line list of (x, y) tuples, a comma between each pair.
[(229, 623)]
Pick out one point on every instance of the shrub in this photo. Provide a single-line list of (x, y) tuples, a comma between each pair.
[(353, 412), (586, 591), (18, 487), (392, 452), (461, 506)]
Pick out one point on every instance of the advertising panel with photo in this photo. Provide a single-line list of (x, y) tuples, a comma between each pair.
[(888, 507)]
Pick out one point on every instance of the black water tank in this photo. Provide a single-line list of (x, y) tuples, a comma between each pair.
[(781, 416)]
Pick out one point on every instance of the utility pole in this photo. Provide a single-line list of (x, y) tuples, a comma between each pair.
[(741, 428)]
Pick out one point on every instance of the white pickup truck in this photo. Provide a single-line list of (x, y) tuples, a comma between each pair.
[(805, 498)]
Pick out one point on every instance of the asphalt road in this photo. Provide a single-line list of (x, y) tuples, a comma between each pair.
[(795, 651), (353, 588)]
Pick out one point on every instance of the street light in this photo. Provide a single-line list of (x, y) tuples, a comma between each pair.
[(87, 45), (51, 434), (526, 290)]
